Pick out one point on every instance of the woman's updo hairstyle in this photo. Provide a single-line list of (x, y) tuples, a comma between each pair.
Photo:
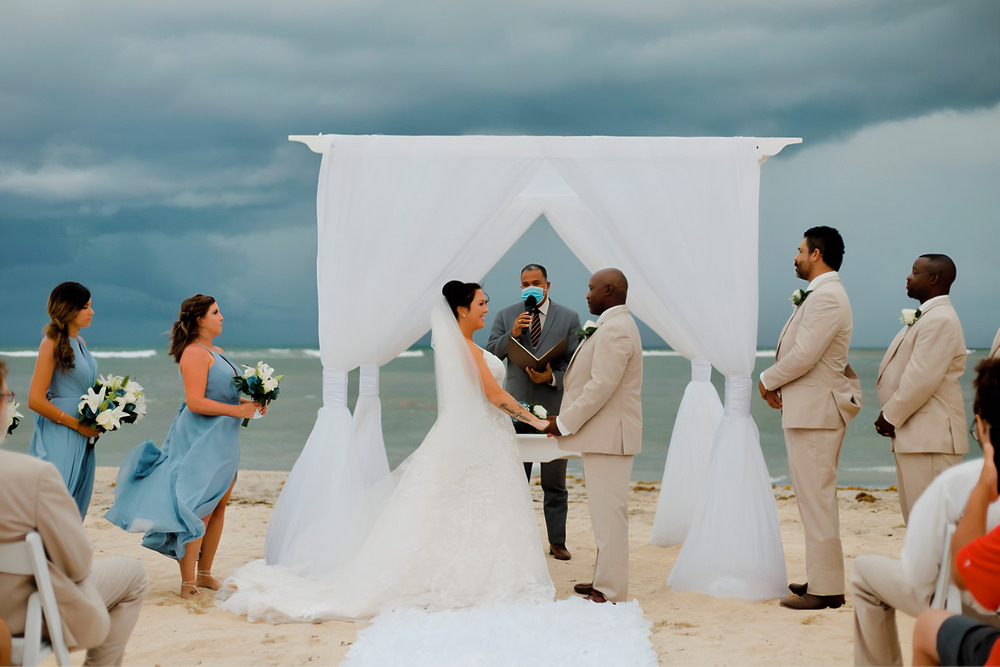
[(986, 404), (458, 294), (65, 301), (186, 327)]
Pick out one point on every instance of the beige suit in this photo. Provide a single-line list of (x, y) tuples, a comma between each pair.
[(995, 349), (820, 395), (602, 411), (99, 601), (918, 387)]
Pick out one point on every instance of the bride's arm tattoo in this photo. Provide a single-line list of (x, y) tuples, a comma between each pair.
[(518, 413)]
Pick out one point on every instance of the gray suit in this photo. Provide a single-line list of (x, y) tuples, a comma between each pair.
[(560, 322)]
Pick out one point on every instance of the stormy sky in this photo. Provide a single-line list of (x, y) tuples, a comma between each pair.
[(144, 152)]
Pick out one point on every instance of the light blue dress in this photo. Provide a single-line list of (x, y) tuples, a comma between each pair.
[(167, 493), (61, 445)]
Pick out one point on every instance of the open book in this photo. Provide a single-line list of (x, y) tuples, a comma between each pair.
[(520, 356)]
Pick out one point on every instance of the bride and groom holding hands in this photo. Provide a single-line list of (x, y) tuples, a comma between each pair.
[(453, 526)]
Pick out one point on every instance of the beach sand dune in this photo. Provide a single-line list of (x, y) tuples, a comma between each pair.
[(688, 628)]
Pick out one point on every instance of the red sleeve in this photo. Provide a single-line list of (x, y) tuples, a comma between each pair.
[(979, 564)]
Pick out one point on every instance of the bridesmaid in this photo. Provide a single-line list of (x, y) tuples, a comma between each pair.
[(177, 495), (64, 371)]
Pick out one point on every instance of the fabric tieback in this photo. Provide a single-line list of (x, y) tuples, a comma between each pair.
[(701, 370), (536, 327), (368, 380), (738, 392), (334, 388)]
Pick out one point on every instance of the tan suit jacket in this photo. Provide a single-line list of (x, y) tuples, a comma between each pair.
[(918, 384), (819, 389), (995, 350), (33, 497), (602, 404)]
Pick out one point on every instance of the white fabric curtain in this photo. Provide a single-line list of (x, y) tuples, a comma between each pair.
[(698, 419), (399, 216)]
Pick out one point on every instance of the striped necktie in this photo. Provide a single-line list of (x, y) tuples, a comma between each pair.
[(536, 327)]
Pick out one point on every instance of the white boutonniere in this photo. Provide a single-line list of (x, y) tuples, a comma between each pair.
[(798, 296), (909, 316), (14, 417), (589, 327)]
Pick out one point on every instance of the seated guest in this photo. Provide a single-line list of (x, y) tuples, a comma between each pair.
[(941, 637), (881, 585), (99, 601)]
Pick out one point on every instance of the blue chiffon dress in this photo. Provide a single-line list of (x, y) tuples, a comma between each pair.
[(167, 493), (60, 445)]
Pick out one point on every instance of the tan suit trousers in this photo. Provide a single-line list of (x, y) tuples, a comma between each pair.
[(915, 472), (122, 585), (607, 477), (880, 588), (813, 454)]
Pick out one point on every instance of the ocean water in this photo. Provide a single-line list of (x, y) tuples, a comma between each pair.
[(409, 409)]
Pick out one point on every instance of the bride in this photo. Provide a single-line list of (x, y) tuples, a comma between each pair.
[(453, 526)]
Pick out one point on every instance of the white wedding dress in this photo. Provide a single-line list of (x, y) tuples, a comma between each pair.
[(453, 526)]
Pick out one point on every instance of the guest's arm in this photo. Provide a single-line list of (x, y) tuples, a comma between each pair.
[(972, 526)]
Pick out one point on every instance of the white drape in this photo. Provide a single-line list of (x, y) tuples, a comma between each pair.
[(399, 216)]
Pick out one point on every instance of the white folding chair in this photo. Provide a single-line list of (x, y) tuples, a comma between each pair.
[(27, 558), (946, 594)]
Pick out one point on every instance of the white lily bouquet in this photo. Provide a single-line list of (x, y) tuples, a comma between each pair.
[(259, 383), (13, 416), (112, 401), (537, 410)]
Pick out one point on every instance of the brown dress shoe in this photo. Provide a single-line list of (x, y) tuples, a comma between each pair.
[(810, 602), (559, 551), (597, 596), (584, 589), (799, 589)]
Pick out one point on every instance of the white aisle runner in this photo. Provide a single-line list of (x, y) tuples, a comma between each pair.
[(564, 632)]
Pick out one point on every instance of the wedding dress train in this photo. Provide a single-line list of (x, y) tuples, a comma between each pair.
[(453, 526)]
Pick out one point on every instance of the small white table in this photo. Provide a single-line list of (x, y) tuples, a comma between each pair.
[(541, 448)]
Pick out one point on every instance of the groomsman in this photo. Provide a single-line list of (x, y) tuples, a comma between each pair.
[(818, 393), (601, 417), (918, 383), (538, 329), (995, 349)]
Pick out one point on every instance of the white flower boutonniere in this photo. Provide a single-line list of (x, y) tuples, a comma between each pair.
[(14, 417), (589, 327), (909, 316), (798, 296)]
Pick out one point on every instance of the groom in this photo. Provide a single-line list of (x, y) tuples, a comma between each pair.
[(538, 329), (601, 417)]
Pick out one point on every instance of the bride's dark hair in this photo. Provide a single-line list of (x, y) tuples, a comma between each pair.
[(458, 294)]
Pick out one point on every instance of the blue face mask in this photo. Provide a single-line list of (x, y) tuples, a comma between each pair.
[(534, 291)]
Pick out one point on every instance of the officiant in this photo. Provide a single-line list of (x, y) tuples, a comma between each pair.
[(539, 326)]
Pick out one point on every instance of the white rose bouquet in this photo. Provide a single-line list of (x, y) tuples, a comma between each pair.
[(13, 416), (112, 401), (537, 410), (259, 383)]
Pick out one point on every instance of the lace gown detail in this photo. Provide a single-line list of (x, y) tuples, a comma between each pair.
[(454, 527)]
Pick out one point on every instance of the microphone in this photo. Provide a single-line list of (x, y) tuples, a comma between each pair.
[(531, 303)]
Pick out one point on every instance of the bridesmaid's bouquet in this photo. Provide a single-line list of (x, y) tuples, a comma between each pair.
[(259, 383), (13, 416), (112, 401)]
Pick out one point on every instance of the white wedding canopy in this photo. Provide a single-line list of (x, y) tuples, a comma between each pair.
[(399, 216)]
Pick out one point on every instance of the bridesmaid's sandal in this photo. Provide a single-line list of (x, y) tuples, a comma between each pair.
[(188, 590), (206, 580)]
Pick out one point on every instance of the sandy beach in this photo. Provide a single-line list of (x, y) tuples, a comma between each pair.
[(688, 628)]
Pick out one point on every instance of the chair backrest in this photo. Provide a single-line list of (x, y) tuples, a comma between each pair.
[(27, 558), (946, 593)]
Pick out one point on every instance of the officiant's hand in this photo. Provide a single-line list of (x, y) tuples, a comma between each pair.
[(552, 428), (773, 398), (540, 377), (523, 321)]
